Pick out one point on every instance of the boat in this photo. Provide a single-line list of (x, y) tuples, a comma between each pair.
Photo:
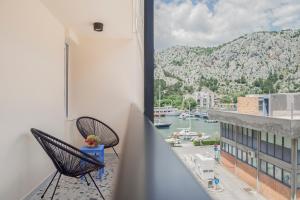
[(158, 123), (185, 134), (211, 121), (203, 115), (166, 111), (162, 124), (185, 115), (172, 141), (159, 115)]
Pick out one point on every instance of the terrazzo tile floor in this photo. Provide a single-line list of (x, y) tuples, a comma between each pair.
[(77, 189)]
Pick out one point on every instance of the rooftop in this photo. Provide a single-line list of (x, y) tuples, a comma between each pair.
[(280, 125)]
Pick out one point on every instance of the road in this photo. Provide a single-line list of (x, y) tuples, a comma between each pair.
[(231, 187)]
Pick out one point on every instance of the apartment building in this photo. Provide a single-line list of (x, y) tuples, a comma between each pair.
[(206, 98), (260, 143)]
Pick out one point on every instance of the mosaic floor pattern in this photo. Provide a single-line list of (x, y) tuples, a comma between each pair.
[(77, 189)]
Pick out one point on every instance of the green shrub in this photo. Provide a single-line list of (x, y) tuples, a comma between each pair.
[(210, 142), (196, 143)]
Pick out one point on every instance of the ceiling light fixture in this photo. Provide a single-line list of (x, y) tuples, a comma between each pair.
[(98, 26)]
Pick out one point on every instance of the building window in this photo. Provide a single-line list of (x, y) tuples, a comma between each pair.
[(263, 142), (223, 146), (227, 130), (233, 151), (222, 129), (245, 136), (230, 132), (270, 169), (278, 173), (244, 158), (263, 166), (239, 136), (226, 147), (239, 154), (254, 162), (250, 141), (287, 149), (233, 132), (278, 147), (286, 177), (298, 180), (271, 144), (254, 135), (249, 159)]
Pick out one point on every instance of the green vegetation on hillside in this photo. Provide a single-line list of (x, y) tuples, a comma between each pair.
[(267, 85), (256, 63)]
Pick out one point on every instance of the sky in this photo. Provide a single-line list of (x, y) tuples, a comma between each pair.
[(209, 23)]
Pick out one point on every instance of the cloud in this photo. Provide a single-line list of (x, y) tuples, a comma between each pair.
[(213, 22)]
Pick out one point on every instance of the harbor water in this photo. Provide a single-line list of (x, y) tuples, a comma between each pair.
[(197, 125)]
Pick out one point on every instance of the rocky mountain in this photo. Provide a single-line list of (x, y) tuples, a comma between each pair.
[(260, 62)]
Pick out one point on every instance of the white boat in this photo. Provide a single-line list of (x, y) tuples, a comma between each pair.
[(185, 134), (211, 121), (185, 115), (173, 141), (203, 115), (166, 110)]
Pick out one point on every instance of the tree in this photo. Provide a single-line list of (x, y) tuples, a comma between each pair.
[(242, 80), (189, 89), (190, 103), (226, 99)]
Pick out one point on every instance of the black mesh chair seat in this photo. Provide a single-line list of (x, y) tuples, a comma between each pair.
[(67, 159), (91, 126)]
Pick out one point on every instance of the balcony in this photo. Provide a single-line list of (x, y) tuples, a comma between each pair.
[(56, 68)]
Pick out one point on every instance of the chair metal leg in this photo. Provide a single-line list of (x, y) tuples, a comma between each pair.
[(49, 185), (96, 186), (115, 152), (86, 180), (56, 186)]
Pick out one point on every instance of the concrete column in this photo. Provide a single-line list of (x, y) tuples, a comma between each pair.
[(294, 169), (235, 144), (257, 161)]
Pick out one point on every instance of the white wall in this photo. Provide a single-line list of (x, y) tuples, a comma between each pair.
[(106, 78), (32, 92)]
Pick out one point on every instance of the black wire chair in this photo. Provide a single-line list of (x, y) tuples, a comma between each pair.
[(89, 125), (67, 159)]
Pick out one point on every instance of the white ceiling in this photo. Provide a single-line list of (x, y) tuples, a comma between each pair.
[(79, 15)]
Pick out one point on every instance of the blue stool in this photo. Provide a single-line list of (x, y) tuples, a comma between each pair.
[(99, 152)]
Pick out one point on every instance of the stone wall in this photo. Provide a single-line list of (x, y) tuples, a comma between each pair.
[(248, 105)]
